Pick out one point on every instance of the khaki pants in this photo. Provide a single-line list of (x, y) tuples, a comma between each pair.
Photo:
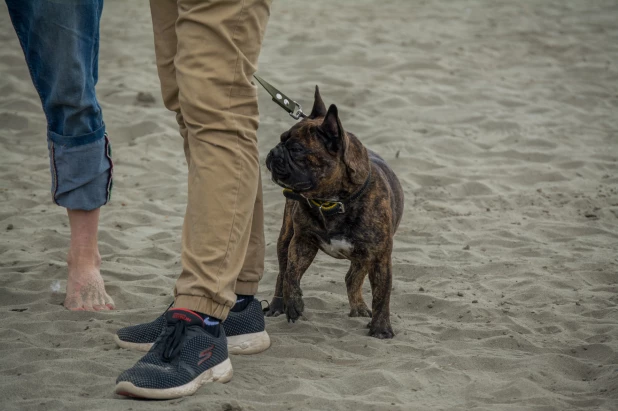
[(207, 52)]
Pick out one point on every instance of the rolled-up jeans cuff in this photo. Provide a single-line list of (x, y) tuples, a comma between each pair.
[(70, 141), (81, 169)]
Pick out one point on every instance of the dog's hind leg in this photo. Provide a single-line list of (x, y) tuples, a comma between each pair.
[(276, 306), (354, 283), (381, 279)]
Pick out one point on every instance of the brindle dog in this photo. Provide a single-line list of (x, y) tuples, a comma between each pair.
[(318, 160)]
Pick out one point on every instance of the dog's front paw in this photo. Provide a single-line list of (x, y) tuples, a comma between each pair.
[(275, 308), (381, 329), (360, 311), (294, 306)]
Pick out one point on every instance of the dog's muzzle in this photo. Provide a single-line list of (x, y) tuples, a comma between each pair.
[(275, 162)]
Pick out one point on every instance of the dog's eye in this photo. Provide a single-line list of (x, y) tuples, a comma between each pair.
[(295, 149)]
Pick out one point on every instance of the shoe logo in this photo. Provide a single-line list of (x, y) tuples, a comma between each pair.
[(206, 354), (182, 317), (190, 316)]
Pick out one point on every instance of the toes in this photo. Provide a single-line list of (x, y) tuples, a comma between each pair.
[(73, 303), (104, 303), (294, 309), (381, 332), (275, 308), (98, 304), (79, 304), (275, 313), (108, 302), (380, 327), (383, 335), (90, 296), (87, 307), (292, 314), (81, 308), (70, 306)]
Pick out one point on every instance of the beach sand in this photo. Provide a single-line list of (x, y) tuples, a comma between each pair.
[(501, 120)]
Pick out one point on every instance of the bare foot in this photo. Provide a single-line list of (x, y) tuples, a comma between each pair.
[(85, 288)]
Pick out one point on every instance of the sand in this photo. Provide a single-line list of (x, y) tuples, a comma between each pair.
[(501, 120)]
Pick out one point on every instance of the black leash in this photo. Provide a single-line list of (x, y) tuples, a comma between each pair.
[(293, 108)]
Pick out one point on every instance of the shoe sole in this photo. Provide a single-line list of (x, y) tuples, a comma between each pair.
[(244, 344), (145, 347), (219, 373)]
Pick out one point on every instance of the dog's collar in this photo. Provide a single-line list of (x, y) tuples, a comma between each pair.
[(325, 207)]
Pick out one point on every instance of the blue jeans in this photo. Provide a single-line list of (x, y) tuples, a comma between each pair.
[(60, 40)]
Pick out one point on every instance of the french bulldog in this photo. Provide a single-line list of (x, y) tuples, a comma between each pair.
[(342, 199)]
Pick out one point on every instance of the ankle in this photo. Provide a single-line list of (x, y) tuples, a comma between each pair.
[(84, 257), (242, 302), (211, 324)]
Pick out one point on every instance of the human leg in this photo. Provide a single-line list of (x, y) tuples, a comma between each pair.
[(60, 41), (218, 46)]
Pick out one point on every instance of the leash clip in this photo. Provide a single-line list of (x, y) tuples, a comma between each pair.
[(297, 113)]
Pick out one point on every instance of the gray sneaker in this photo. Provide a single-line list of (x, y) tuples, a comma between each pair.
[(184, 357)]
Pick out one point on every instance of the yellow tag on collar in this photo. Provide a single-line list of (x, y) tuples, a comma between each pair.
[(324, 205)]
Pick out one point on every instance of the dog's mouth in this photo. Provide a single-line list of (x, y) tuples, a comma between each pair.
[(304, 186), (298, 187)]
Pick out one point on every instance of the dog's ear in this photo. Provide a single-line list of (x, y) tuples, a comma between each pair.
[(331, 127), (354, 153), (319, 108)]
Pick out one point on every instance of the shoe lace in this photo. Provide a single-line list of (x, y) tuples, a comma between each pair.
[(168, 308), (172, 340)]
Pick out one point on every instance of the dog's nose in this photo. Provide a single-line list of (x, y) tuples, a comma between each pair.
[(275, 161), (277, 151)]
